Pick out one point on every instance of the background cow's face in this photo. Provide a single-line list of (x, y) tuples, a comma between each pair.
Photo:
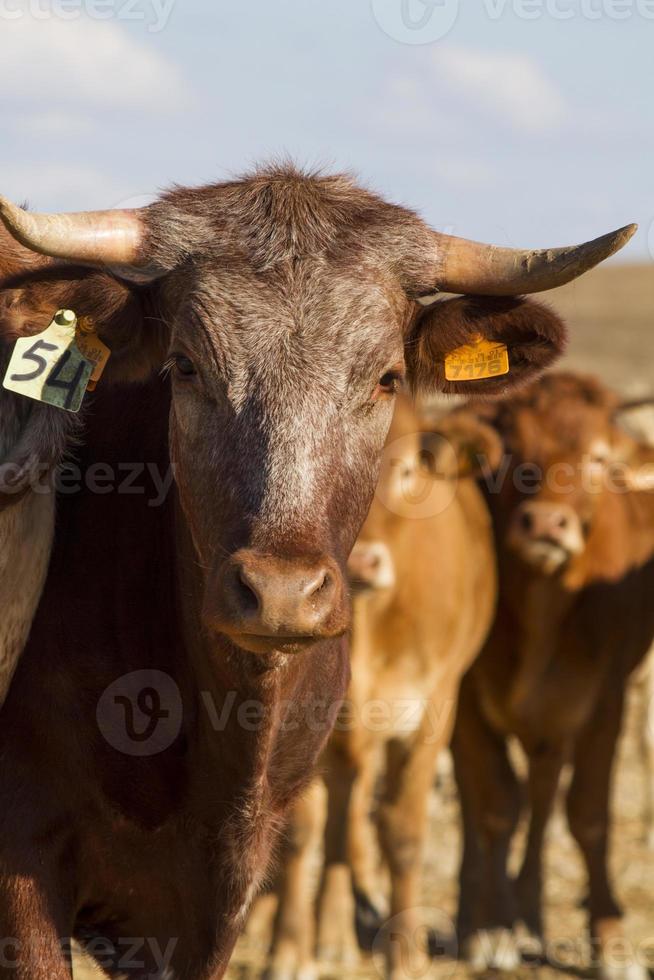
[(564, 455), (287, 310)]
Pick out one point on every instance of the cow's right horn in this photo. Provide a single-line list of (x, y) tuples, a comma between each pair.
[(464, 266), (112, 238)]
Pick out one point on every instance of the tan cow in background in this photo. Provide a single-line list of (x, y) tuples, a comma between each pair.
[(574, 518), (423, 577)]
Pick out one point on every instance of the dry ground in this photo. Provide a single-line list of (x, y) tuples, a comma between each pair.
[(611, 313)]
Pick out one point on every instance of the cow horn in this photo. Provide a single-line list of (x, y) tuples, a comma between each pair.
[(488, 270), (112, 238)]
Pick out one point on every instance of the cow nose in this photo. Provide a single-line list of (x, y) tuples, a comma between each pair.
[(278, 599), (541, 520), (543, 523), (371, 566), (550, 522)]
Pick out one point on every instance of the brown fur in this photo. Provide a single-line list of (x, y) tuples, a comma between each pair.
[(32, 441)]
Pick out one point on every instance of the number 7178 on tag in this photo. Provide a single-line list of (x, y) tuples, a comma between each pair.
[(49, 367)]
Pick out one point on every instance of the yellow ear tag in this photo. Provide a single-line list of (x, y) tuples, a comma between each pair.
[(93, 349), (480, 359), (49, 367)]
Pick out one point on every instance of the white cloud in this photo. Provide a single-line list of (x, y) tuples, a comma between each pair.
[(512, 87), (55, 123), (84, 63)]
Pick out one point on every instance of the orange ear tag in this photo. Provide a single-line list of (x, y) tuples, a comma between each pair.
[(478, 360), (93, 349)]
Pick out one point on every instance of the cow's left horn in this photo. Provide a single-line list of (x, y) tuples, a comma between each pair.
[(112, 238), (469, 267)]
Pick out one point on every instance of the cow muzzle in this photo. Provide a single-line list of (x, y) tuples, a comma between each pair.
[(546, 535), (265, 603), (371, 567)]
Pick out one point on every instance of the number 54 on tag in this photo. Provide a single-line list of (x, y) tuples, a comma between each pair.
[(49, 367)]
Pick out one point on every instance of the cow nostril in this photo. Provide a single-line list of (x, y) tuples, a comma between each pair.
[(248, 597), (322, 584), (562, 522), (526, 521)]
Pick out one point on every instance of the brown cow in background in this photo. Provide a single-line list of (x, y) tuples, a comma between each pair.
[(575, 531), (424, 582)]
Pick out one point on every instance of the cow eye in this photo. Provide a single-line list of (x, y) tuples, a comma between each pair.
[(184, 365), (390, 382), (599, 454)]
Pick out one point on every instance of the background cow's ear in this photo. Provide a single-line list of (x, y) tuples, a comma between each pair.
[(533, 334), (32, 290), (460, 445)]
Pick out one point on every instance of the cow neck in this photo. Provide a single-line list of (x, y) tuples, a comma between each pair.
[(540, 605)]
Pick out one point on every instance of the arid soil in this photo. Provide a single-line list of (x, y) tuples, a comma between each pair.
[(611, 313)]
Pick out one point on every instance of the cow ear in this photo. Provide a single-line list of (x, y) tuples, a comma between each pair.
[(31, 294), (462, 445), (532, 333)]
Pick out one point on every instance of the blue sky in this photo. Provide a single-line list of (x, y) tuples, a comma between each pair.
[(526, 122)]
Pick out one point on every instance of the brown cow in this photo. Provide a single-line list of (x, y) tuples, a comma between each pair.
[(33, 439), (423, 574), (574, 520), (147, 756)]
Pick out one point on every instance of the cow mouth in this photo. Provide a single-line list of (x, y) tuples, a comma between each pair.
[(545, 555), (265, 645)]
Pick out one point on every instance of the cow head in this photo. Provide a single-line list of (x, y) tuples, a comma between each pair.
[(567, 464), (288, 310)]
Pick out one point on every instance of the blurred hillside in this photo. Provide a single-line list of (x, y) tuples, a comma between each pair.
[(610, 313)]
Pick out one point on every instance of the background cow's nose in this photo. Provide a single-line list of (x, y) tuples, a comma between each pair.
[(371, 566), (267, 596), (547, 521)]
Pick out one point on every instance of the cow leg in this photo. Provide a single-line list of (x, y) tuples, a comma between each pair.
[(490, 807), (370, 900), (646, 745), (588, 817), (291, 955), (545, 764), (410, 776), (647, 752), (35, 930), (337, 941)]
